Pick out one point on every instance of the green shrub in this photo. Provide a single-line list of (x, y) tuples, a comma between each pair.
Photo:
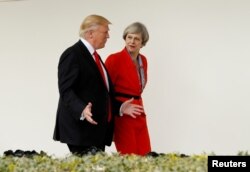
[(102, 162)]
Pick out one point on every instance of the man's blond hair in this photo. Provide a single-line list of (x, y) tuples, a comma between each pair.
[(91, 22)]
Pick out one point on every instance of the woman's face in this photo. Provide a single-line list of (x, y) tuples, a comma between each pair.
[(133, 42)]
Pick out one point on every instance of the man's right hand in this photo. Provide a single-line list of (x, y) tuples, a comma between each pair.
[(88, 114)]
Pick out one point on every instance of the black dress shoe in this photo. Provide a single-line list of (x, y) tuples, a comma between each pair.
[(91, 151), (19, 153), (8, 153), (152, 154)]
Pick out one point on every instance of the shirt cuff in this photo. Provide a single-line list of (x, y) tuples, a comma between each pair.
[(120, 111), (82, 117)]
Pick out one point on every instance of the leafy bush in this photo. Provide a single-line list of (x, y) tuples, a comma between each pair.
[(102, 162)]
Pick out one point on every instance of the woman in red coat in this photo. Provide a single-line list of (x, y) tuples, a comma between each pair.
[(128, 72)]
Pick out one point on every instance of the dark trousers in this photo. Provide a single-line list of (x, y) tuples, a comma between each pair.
[(81, 150)]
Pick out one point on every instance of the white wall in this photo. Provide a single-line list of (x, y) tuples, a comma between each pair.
[(198, 95)]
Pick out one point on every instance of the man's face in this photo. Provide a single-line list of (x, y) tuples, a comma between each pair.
[(100, 36)]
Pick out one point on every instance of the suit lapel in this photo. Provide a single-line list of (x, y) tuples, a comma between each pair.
[(87, 56)]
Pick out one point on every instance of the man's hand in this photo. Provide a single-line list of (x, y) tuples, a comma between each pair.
[(88, 115), (130, 109)]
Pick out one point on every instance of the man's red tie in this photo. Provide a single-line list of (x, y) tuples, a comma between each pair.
[(98, 62)]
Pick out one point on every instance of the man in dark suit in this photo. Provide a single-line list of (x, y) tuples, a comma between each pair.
[(84, 115)]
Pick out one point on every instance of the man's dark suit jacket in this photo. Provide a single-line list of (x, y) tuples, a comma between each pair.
[(80, 82)]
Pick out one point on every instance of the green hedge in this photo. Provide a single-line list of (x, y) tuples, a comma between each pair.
[(102, 162), (31, 161)]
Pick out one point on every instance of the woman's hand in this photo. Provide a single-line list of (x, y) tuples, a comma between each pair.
[(130, 109)]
